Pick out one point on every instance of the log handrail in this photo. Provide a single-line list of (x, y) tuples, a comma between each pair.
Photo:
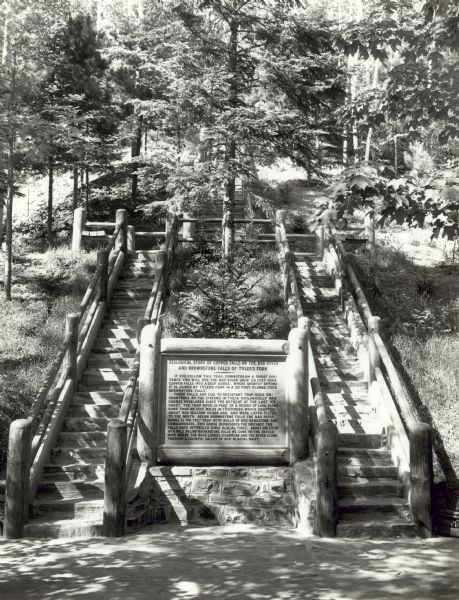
[(324, 434), (122, 430), (49, 406), (418, 434), (408, 413)]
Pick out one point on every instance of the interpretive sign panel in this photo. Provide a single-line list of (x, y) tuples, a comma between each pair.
[(222, 402)]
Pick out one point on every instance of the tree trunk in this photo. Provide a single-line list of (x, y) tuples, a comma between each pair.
[(345, 147), (2, 208), (145, 141), (368, 144), (87, 190), (75, 187), (228, 208), (370, 129), (9, 221), (395, 155), (136, 147), (49, 220), (228, 233), (355, 142)]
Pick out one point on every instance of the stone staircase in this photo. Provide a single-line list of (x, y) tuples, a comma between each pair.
[(370, 496), (69, 500)]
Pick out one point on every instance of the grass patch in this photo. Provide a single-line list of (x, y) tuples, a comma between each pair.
[(212, 298), (46, 288), (418, 308)]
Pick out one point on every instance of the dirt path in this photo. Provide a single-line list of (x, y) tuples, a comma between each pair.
[(238, 562)]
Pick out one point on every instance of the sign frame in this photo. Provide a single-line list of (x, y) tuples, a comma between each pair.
[(274, 451)]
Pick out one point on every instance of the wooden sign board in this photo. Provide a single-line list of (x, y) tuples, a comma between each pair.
[(223, 402)]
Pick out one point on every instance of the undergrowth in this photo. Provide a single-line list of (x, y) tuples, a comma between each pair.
[(46, 288), (418, 308), (212, 297)]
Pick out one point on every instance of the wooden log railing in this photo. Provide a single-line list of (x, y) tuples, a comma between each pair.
[(323, 434), (134, 428), (49, 407), (407, 437)]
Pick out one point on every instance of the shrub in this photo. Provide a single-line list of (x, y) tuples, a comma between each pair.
[(213, 297)]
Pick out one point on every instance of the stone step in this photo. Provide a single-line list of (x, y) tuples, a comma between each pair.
[(104, 361), (352, 508), (74, 472), (97, 397), (94, 411), (340, 375), (113, 373), (344, 386), (88, 424), (360, 440), (63, 528), (356, 470), (110, 344), (68, 509), (109, 373), (83, 455), (100, 385), (349, 407), (364, 456), (335, 362), (82, 439), (387, 528), (118, 334), (357, 426), (355, 488), (70, 490)]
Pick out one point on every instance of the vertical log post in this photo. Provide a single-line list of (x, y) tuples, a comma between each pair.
[(102, 261), (370, 231), (18, 478), (70, 361), (374, 325), (79, 220), (160, 270), (421, 475), (297, 393), (114, 521), (327, 479), (189, 229), (150, 351), (320, 241), (131, 238), (168, 226), (121, 219)]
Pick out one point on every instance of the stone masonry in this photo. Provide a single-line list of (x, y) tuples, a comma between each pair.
[(282, 497)]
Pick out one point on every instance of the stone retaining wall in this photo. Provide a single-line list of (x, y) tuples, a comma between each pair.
[(283, 497)]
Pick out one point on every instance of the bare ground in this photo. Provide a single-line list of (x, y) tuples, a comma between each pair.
[(232, 562)]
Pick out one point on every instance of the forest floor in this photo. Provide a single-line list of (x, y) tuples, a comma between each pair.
[(231, 563), (46, 287)]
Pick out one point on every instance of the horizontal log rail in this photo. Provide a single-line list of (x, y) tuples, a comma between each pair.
[(48, 409), (322, 432), (122, 431), (414, 437)]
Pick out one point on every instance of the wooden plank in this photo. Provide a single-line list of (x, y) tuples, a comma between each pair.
[(90, 338), (216, 455), (222, 346), (50, 437)]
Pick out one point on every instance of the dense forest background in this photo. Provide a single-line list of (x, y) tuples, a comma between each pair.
[(179, 101)]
